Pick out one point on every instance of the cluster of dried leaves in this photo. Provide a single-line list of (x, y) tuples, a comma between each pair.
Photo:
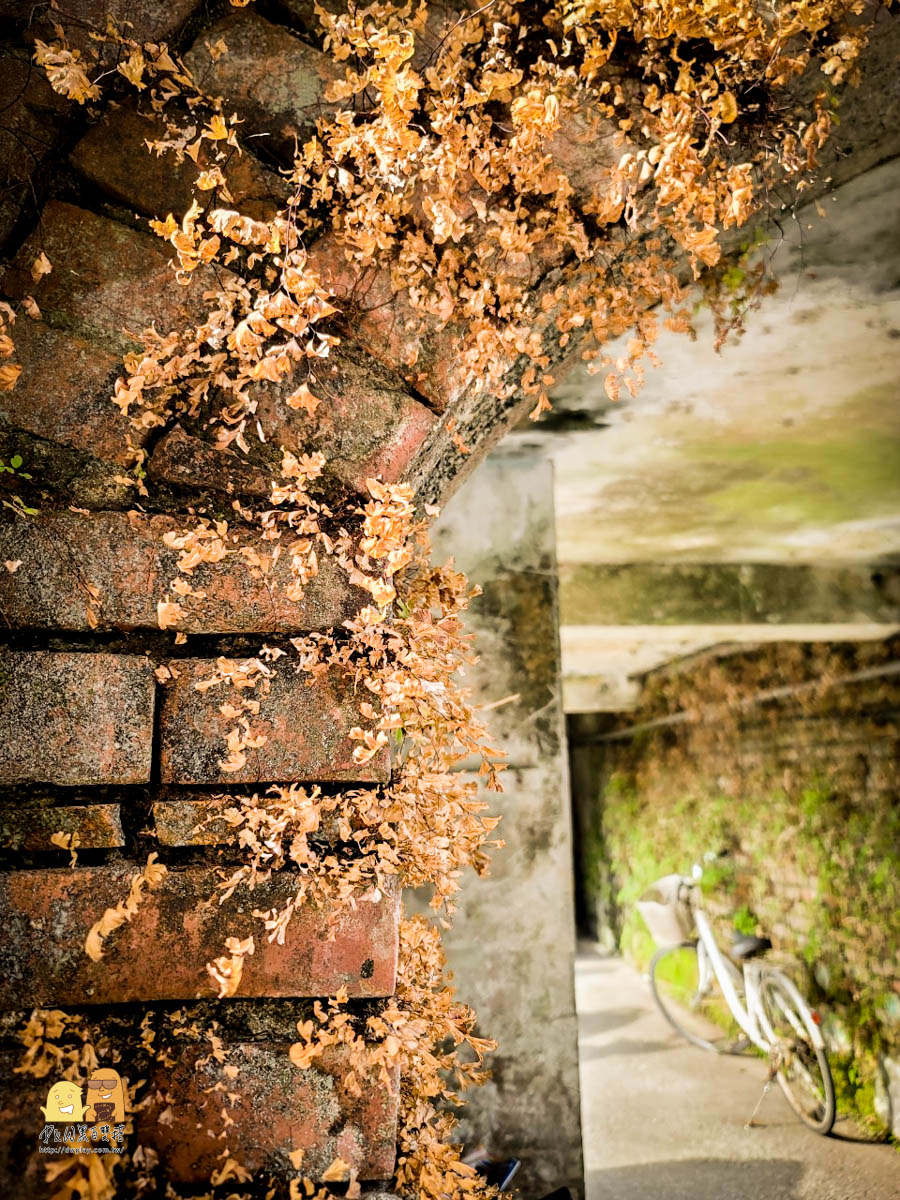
[(530, 178), (348, 848)]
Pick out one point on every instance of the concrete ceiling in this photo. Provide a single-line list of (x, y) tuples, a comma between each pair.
[(782, 448)]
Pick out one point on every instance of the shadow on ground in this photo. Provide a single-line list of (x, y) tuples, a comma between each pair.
[(607, 1019), (621, 1046), (698, 1179)]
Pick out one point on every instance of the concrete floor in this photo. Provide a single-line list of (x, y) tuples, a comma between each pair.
[(665, 1121)]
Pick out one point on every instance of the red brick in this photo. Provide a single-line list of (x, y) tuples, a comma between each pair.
[(65, 393), (384, 323), (305, 728), (113, 155), (199, 822), (106, 278), (274, 81), (161, 954), (275, 1108), (26, 827), (122, 556), (75, 718), (366, 425), (187, 461)]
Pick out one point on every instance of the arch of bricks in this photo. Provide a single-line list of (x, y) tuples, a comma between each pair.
[(91, 741)]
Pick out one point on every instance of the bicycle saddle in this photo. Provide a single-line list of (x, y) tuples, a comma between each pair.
[(746, 946)]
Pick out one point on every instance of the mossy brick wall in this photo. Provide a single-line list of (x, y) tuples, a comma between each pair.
[(799, 795)]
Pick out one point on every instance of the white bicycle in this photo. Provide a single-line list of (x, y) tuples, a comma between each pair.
[(725, 1004)]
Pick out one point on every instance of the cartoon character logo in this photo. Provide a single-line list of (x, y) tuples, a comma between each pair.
[(106, 1096), (64, 1102)]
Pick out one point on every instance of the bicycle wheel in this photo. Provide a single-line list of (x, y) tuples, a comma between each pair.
[(688, 996), (798, 1052)]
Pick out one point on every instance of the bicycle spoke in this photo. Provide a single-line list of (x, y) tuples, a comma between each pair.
[(799, 1061)]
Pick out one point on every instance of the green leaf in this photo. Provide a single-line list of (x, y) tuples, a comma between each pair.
[(16, 461)]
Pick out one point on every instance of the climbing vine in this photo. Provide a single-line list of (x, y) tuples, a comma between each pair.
[(536, 179)]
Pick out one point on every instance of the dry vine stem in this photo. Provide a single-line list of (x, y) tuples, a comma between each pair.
[(445, 161)]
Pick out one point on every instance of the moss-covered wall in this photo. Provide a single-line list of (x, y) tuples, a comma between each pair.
[(800, 793)]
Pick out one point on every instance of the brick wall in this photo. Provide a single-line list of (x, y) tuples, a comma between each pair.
[(93, 743), (104, 736), (800, 792), (106, 741)]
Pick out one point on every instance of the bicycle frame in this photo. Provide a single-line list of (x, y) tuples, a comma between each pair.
[(713, 959)]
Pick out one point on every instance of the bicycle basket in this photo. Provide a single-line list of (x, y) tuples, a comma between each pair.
[(665, 909)]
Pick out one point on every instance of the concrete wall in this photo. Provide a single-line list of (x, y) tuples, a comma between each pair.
[(513, 942)]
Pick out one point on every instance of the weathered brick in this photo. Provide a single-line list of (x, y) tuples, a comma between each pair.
[(65, 393), (274, 81), (385, 324), (72, 477), (142, 20), (366, 425), (108, 570), (306, 729), (275, 1109), (75, 718), (47, 915), (106, 278), (182, 459), (113, 155), (200, 821), (33, 120), (28, 827), (194, 822)]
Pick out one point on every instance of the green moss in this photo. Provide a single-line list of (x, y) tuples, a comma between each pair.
[(636, 943), (659, 815), (834, 475), (745, 921), (854, 1090)]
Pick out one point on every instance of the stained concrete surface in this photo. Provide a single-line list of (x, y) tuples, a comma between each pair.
[(782, 449), (665, 1121), (512, 945)]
